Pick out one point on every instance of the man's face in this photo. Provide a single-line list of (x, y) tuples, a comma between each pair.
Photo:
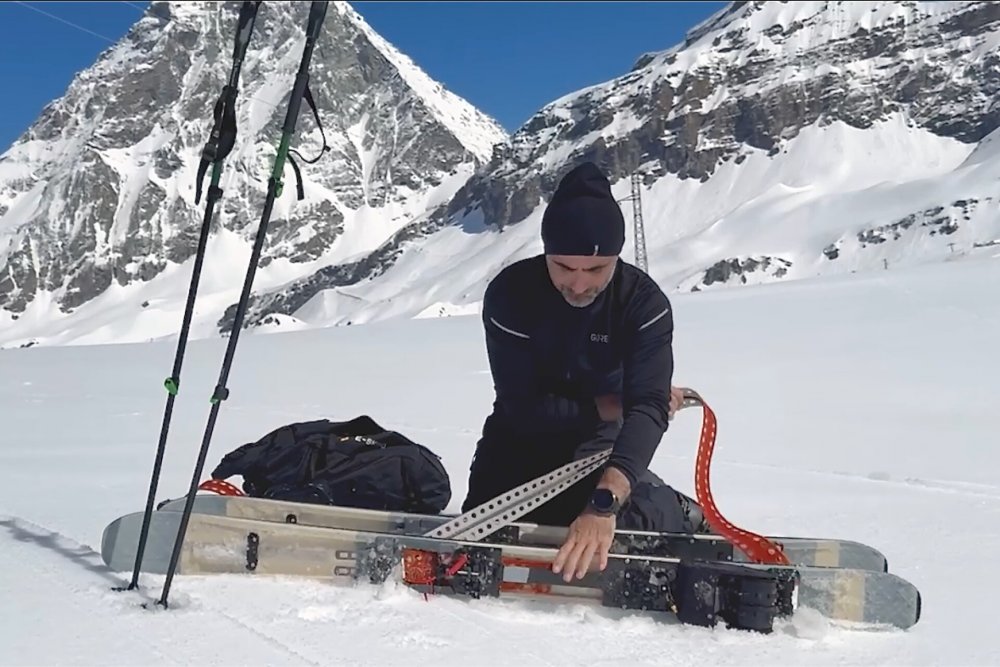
[(580, 279)]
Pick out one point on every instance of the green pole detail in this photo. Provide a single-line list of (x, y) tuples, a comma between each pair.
[(217, 172), (279, 163)]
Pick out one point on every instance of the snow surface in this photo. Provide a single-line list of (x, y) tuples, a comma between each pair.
[(861, 406)]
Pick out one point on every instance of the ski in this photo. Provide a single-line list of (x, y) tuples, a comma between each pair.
[(741, 595), (813, 552)]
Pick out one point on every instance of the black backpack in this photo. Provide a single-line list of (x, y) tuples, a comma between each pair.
[(355, 463)]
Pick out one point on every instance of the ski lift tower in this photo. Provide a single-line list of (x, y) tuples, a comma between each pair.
[(638, 230)]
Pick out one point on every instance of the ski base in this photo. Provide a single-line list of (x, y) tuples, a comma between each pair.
[(741, 595), (813, 552)]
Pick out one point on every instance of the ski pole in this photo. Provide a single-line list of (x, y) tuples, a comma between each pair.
[(317, 13), (217, 148)]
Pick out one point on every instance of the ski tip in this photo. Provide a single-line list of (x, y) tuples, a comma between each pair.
[(108, 540)]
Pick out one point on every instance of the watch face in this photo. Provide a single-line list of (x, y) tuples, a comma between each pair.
[(603, 500)]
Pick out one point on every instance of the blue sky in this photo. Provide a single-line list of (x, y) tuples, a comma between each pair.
[(506, 58)]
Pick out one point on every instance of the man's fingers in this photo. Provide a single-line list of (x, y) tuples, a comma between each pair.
[(563, 554), (609, 407), (605, 547), (676, 401), (574, 558), (585, 559), (585, 540)]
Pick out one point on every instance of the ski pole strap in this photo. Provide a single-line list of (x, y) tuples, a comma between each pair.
[(223, 135), (757, 547), (509, 506), (299, 190)]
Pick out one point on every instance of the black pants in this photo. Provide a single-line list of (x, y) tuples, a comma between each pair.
[(504, 462)]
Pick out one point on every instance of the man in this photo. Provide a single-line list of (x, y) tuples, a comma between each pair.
[(580, 349)]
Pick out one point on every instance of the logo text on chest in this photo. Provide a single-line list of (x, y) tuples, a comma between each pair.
[(598, 338)]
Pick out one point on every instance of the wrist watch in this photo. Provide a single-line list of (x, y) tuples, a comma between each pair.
[(604, 502)]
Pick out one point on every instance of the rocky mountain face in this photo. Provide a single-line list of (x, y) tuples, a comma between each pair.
[(100, 190), (751, 79)]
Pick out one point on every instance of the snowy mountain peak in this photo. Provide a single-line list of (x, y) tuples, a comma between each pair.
[(806, 24), (98, 194), (478, 132)]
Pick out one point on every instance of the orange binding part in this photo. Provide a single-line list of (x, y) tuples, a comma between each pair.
[(420, 566), (758, 548), (220, 486)]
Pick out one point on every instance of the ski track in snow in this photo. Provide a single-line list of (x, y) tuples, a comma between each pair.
[(971, 489), (81, 598), (869, 428)]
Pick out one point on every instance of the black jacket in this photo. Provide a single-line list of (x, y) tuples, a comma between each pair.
[(549, 360)]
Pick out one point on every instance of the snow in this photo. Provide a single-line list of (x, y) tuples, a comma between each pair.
[(857, 406), (371, 224), (823, 21), (828, 187), (831, 183)]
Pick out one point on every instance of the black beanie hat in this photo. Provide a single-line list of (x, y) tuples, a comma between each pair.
[(583, 217)]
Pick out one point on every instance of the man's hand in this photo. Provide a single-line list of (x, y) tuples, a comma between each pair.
[(589, 535), (676, 399), (609, 407)]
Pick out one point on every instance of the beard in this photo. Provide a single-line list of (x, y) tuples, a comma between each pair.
[(580, 300), (587, 298)]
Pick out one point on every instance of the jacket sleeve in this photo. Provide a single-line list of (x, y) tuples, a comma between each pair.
[(648, 368), (522, 394)]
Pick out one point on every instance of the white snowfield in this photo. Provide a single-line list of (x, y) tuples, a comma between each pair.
[(863, 407)]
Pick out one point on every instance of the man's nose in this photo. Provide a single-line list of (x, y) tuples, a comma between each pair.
[(579, 284)]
